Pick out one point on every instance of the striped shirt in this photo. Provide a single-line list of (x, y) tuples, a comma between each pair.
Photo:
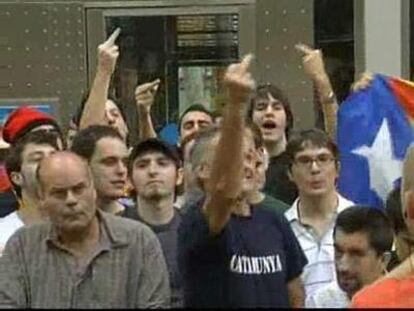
[(320, 269), (127, 270)]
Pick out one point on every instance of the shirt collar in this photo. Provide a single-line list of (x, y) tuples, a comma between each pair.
[(110, 237), (292, 213)]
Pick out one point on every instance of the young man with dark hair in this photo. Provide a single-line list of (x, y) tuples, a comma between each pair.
[(21, 165), (24, 120), (82, 258), (363, 239), (19, 123), (314, 168), (231, 254), (155, 172), (106, 152), (193, 119), (270, 110), (395, 290)]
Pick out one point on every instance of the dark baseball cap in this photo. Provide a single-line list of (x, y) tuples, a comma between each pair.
[(155, 145)]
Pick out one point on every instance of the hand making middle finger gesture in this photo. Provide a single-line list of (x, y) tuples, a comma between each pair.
[(312, 60), (239, 80), (108, 53)]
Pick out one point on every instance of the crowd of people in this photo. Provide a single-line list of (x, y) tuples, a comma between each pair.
[(242, 213)]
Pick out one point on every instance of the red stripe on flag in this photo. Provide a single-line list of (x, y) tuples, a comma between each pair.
[(404, 91)]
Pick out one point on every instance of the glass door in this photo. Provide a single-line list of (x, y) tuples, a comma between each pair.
[(187, 49)]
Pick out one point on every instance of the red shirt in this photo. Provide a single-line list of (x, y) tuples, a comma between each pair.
[(388, 293), (5, 184)]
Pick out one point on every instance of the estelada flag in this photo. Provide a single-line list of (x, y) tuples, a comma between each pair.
[(374, 132)]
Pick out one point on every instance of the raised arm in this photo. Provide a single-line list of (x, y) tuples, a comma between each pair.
[(94, 110), (225, 181), (314, 66), (144, 96)]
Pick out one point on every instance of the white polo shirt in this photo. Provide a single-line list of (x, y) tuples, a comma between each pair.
[(330, 296), (8, 225), (320, 269)]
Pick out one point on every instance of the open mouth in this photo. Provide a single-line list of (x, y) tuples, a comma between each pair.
[(269, 125)]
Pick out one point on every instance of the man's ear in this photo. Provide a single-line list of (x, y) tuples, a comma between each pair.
[(180, 176), (409, 205), (203, 171), (16, 178), (338, 167), (385, 260), (289, 174)]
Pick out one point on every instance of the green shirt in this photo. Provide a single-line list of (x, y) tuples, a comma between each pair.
[(274, 204)]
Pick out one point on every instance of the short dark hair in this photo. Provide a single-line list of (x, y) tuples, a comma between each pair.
[(84, 142), (394, 211), (262, 91), (154, 145), (14, 157), (372, 221), (195, 107), (312, 137)]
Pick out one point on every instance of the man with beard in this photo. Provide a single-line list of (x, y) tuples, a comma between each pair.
[(107, 154), (395, 290), (155, 172), (363, 239)]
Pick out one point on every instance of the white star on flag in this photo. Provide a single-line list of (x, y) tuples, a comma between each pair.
[(384, 168)]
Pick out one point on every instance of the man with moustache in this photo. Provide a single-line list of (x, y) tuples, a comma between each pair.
[(395, 290), (363, 239)]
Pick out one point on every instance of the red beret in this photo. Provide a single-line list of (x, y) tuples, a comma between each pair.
[(22, 120)]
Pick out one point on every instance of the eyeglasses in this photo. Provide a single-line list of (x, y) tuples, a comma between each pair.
[(305, 162)]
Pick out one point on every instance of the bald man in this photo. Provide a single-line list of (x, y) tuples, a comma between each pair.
[(68, 262)]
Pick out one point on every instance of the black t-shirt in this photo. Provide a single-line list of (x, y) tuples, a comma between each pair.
[(8, 203), (278, 184), (248, 265), (167, 235)]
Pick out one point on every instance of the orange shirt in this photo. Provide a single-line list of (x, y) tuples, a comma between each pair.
[(388, 293)]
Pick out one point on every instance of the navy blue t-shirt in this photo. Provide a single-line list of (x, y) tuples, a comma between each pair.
[(248, 265)]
